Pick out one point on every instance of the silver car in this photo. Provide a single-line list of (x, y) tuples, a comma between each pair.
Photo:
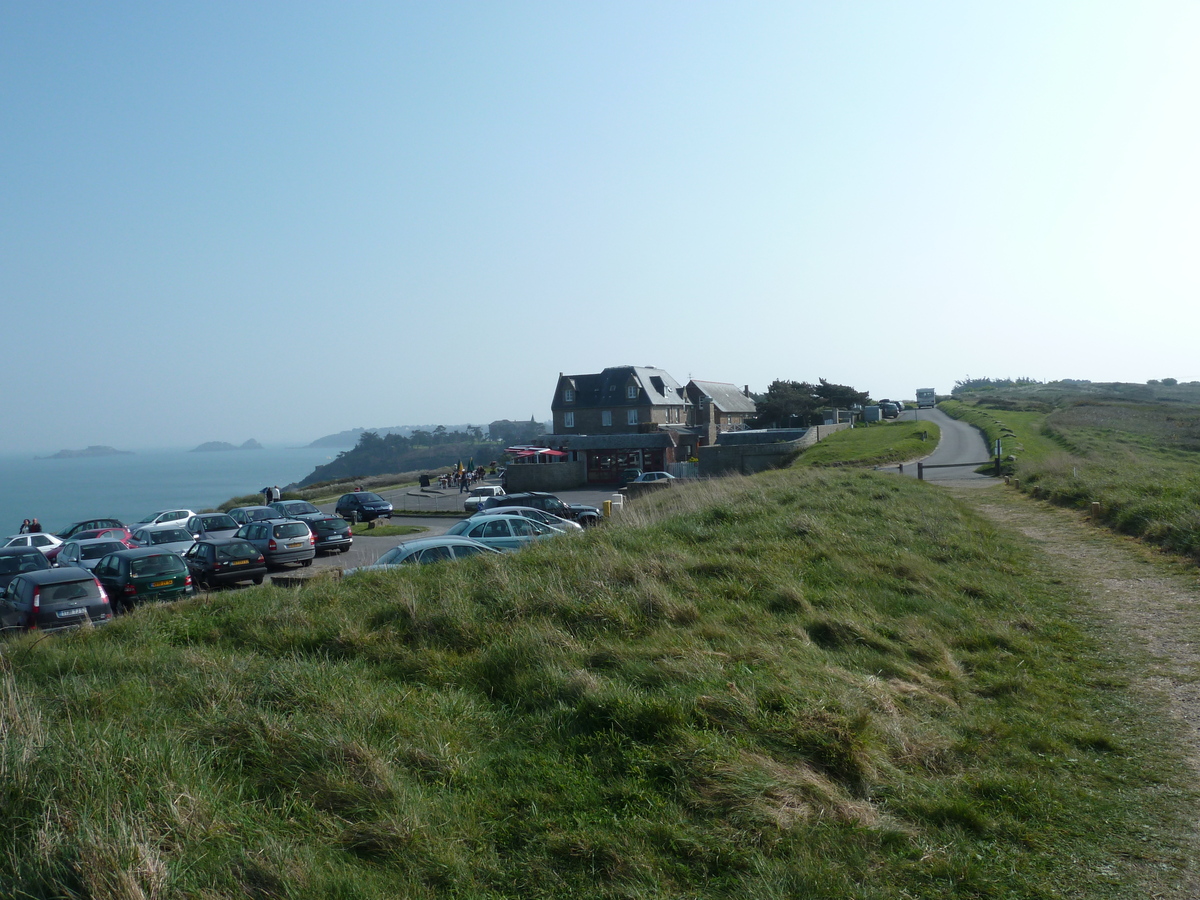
[(175, 538), (503, 532), (537, 515), (85, 554), (164, 517), (427, 550)]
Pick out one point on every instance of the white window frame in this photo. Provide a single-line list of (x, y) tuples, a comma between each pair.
[(606, 418), (631, 417), (568, 420), (631, 392), (568, 396)]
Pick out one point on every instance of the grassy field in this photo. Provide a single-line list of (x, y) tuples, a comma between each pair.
[(1139, 460), (810, 683), (873, 445)]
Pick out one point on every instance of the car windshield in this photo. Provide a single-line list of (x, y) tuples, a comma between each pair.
[(153, 566), (298, 507), (95, 551), (368, 497), (240, 550), (218, 523), (169, 536)]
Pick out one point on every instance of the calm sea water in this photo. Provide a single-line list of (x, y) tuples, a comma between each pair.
[(62, 491)]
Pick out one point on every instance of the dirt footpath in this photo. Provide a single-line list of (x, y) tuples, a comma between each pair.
[(1152, 600)]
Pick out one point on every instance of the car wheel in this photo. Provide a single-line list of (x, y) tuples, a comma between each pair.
[(306, 563), (258, 579), (352, 517)]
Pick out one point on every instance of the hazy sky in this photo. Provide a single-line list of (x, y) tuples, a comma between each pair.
[(279, 220)]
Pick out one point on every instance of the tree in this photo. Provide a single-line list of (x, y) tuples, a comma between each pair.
[(788, 404)]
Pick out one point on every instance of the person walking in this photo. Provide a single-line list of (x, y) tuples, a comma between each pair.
[(275, 494)]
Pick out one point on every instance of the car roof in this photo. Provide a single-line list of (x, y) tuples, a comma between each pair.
[(92, 542), (438, 541), (61, 574), (142, 552), (177, 525), (223, 542), (271, 508), (18, 551)]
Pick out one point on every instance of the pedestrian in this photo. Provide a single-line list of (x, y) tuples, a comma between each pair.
[(275, 495), (35, 526), (462, 483), (266, 492), (24, 527)]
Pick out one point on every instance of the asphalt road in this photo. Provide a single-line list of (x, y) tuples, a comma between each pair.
[(960, 443)]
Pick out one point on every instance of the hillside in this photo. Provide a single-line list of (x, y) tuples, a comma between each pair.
[(809, 683)]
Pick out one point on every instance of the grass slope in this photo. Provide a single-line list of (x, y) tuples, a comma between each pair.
[(1138, 460), (806, 684), (873, 445)]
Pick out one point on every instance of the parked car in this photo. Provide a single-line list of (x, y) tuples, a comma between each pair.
[(212, 526), (85, 554), (503, 532), (53, 600), (654, 476), (584, 515), (333, 534), (246, 514), (217, 562), (114, 533), (142, 575), (628, 475), (15, 560), (363, 506), (49, 544), (87, 525), (538, 515), (471, 504), (297, 509), (163, 517), (172, 537), (281, 541), (427, 550)]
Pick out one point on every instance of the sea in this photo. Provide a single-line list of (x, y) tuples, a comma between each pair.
[(130, 487)]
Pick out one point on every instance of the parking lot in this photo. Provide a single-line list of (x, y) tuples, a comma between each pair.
[(368, 548)]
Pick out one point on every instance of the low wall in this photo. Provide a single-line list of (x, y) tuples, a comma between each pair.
[(747, 459), (550, 477)]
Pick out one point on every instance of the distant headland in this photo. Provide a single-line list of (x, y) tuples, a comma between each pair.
[(212, 446), (94, 450)]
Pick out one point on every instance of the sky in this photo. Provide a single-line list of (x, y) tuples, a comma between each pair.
[(280, 220)]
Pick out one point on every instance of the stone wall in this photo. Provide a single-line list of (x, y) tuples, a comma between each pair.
[(746, 459), (550, 477)]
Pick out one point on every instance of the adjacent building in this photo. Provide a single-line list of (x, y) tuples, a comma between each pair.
[(638, 417)]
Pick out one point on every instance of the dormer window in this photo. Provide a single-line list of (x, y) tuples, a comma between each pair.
[(568, 396), (631, 392)]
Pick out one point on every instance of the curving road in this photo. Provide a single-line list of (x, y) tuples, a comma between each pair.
[(960, 443)]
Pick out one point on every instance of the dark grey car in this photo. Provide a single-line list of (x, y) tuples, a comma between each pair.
[(15, 560), (281, 541), (53, 599)]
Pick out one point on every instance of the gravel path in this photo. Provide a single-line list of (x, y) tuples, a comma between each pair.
[(1149, 598)]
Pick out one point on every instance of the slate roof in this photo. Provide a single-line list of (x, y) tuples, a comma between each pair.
[(632, 441), (607, 389), (728, 398)]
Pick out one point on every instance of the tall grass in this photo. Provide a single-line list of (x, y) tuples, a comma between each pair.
[(1138, 461), (873, 445), (802, 684)]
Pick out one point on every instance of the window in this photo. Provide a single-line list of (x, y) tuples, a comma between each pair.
[(631, 417), (631, 392), (606, 417), (568, 396), (568, 420)]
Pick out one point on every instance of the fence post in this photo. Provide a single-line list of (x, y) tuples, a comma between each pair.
[(920, 471), (997, 466)]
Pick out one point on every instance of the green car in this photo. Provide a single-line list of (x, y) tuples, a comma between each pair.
[(132, 577)]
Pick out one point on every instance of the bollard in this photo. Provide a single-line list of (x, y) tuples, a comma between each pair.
[(1017, 483), (607, 508), (1008, 479), (900, 467), (920, 471), (1095, 510)]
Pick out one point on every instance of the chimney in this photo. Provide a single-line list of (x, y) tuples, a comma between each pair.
[(746, 390)]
